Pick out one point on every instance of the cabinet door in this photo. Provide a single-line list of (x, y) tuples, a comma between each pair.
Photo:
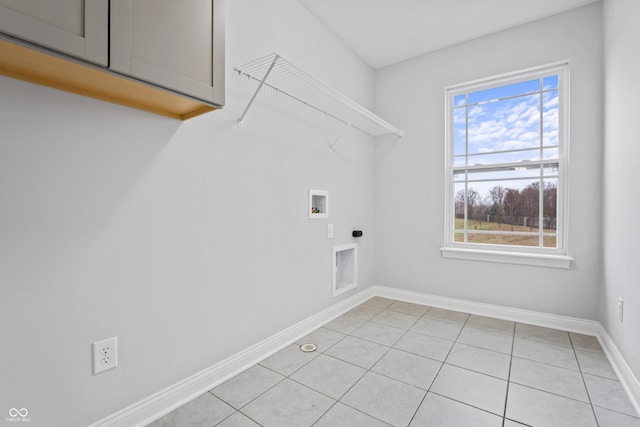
[(76, 27), (178, 45)]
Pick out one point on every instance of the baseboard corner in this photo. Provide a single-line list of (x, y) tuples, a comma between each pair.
[(628, 379)]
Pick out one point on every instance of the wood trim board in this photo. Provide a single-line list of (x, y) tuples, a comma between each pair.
[(48, 69)]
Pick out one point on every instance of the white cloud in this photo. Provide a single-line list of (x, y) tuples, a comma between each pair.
[(512, 124), (475, 111), (550, 100)]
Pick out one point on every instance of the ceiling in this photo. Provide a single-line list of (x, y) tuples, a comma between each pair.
[(383, 32)]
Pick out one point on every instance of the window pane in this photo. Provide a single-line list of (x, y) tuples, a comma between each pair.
[(550, 207), (550, 118), (503, 239), (475, 204), (458, 207), (550, 242), (550, 153), (528, 208), (519, 204), (550, 82), (506, 209), (509, 124), (498, 209), (459, 100), (459, 131), (504, 91)]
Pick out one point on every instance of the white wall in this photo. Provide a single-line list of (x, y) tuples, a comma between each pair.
[(189, 241), (622, 149), (410, 173)]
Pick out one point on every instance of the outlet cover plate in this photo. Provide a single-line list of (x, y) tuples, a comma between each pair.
[(105, 355)]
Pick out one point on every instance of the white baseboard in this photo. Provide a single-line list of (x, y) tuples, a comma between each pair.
[(161, 403), (627, 378), (155, 406), (570, 324), (629, 381)]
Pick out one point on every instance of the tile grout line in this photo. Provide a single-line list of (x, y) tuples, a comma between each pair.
[(238, 410), (389, 349), (285, 377), (584, 382), (367, 370), (547, 364), (385, 353), (261, 394), (243, 414), (440, 369), (336, 401), (552, 393), (434, 377), (288, 377), (465, 403), (552, 365), (228, 416), (506, 395)]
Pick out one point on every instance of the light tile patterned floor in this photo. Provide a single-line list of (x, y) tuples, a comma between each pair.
[(395, 363)]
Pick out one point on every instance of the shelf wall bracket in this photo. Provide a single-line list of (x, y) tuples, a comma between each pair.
[(264, 79), (345, 127)]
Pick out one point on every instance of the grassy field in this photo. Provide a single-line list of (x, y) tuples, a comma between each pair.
[(501, 239)]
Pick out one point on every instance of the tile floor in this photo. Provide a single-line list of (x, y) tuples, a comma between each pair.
[(394, 363)]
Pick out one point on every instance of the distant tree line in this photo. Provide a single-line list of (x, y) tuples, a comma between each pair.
[(510, 205)]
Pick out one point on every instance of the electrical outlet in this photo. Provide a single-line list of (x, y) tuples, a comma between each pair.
[(329, 231), (620, 309), (105, 355)]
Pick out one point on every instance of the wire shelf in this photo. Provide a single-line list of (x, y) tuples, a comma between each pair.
[(275, 72)]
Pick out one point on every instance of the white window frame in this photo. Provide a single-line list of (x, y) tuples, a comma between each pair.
[(546, 257)]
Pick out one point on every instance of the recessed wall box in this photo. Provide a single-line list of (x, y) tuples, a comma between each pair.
[(318, 204), (345, 268)]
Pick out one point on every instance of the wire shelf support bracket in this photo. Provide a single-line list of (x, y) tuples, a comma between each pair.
[(275, 72)]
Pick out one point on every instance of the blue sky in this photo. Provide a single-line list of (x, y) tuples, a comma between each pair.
[(507, 118)]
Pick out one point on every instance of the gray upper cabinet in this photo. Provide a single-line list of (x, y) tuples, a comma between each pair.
[(163, 56), (79, 28), (178, 45)]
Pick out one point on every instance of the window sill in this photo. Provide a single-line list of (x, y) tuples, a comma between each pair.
[(554, 261)]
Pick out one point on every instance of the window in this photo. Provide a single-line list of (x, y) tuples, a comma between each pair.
[(506, 168)]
